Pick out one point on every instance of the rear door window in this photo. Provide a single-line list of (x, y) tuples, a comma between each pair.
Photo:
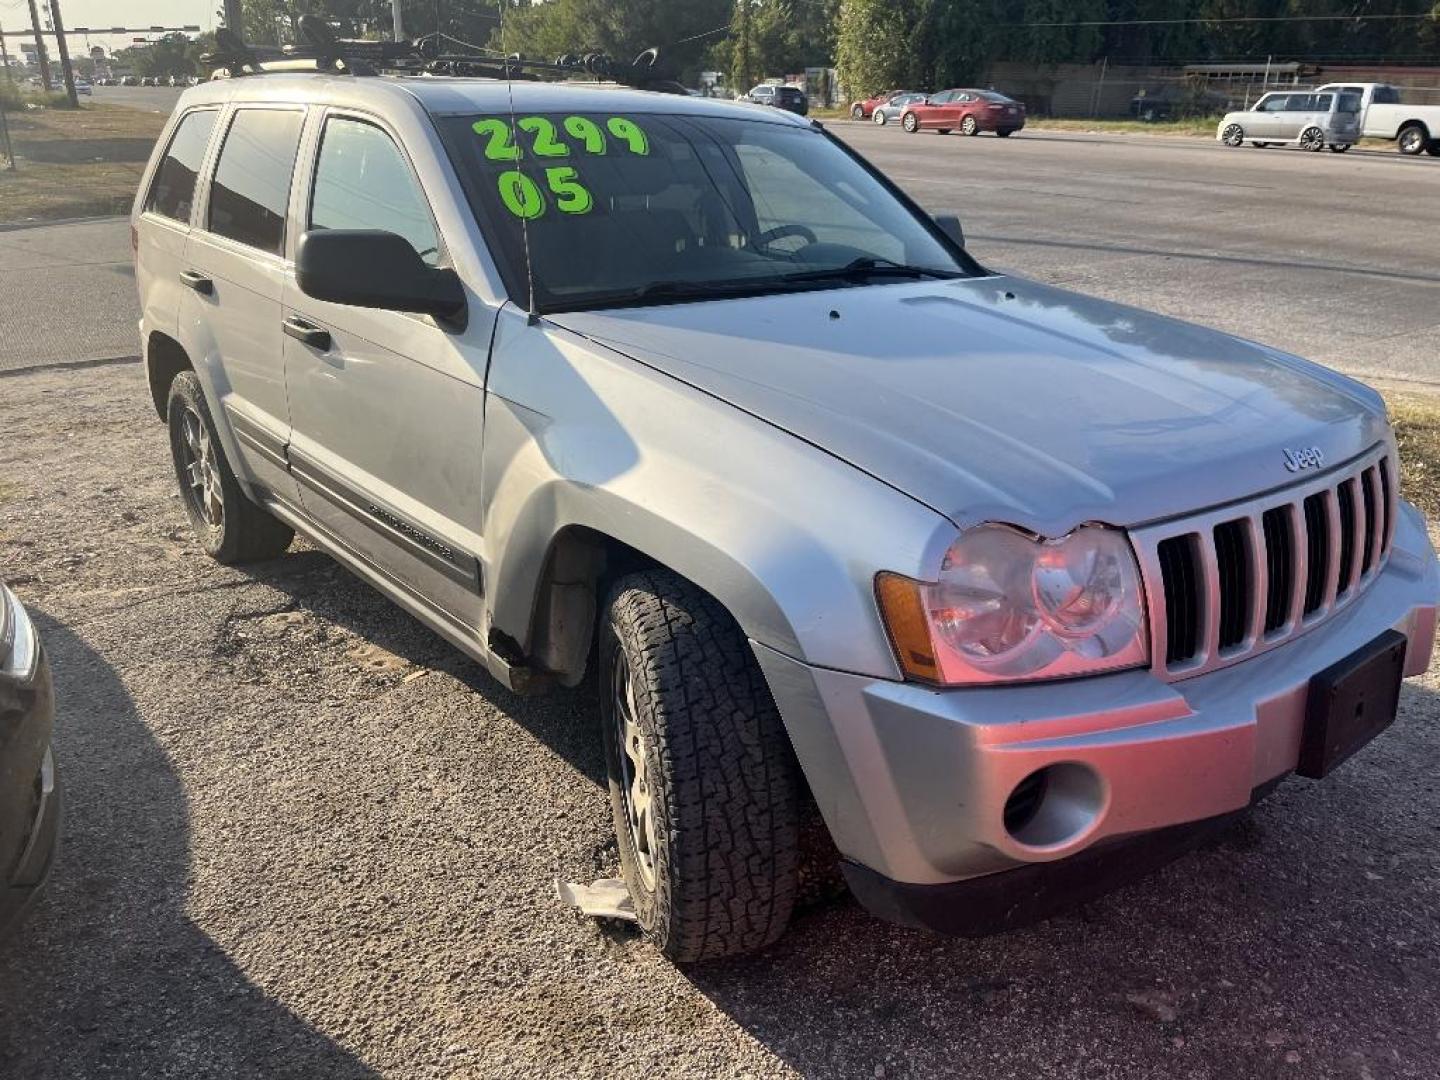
[(1386, 95), (251, 188), (173, 191)]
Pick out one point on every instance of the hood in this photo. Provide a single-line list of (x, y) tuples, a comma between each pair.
[(997, 399)]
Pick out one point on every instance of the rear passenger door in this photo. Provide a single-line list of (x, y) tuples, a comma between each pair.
[(387, 407), (236, 271)]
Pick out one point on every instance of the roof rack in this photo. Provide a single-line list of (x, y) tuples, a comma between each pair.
[(321, 50)]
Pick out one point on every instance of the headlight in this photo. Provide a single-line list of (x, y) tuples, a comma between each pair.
[(18, 646), (1007, 607)]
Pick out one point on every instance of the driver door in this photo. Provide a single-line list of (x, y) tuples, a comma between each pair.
[(386, 407)]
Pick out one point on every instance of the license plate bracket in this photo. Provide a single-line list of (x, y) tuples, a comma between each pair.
[(1351, 702)]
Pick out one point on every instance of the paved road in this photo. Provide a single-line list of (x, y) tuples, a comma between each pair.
[(305, 838), (1328, 256)]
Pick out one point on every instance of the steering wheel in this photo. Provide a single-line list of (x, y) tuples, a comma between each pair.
[(780, 232)]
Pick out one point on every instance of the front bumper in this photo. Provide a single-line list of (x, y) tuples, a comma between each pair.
[(913, 782), (29, 792)]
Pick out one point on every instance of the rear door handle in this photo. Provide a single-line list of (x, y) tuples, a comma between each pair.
[(307, 333), (197, 281)]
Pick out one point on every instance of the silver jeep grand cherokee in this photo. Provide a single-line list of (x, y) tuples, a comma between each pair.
[(1021, 589)]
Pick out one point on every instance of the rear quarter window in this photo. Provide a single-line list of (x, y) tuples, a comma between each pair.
[(172, 192)]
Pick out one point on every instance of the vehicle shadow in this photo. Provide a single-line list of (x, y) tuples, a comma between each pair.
[(1301, 941), (109, 975)]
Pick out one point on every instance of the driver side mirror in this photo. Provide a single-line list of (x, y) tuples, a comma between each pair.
[(950, 226), (376, 269)]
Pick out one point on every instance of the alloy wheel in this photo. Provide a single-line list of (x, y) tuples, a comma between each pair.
[(969, 126), (636, 791), (909, 123), (1312, 139), (1233, 135), (1411, 141), (202, 475)]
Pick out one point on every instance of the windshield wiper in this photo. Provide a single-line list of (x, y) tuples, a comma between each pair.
[(869, 266)]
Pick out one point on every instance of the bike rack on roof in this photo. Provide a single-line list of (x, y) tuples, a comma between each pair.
[(322, 51)]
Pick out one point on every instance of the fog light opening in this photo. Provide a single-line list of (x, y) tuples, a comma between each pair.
[(1054, 806)]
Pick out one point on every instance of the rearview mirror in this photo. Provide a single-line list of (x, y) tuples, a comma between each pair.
[(950, 226), (376, 269)]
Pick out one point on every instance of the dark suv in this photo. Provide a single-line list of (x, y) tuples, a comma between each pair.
[(789, 98)]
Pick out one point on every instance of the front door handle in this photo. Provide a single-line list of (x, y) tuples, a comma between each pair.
[(307, 333), (197, 281)]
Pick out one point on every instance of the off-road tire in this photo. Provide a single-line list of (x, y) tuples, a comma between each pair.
[(721, 775), (246, 533)]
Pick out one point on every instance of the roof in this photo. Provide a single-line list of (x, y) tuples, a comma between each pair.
[(444, 95)]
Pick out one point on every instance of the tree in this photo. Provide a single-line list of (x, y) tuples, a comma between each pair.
[(873, 45), (742, 58)]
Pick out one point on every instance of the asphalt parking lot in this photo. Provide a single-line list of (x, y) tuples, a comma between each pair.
[(306, 838)]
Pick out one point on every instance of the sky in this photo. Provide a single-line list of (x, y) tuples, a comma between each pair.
[(15, 15)]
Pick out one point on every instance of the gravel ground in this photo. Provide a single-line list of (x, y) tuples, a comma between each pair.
[(306, 838)]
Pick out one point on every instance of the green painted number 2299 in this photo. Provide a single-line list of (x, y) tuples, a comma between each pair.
[(523, 198)]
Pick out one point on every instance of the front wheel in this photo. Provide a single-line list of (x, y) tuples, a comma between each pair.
[(230, 527), (910, 123), (703, 783), (1312, 139), (857, 112), (1412, 138), (969, 126), (1233, 135)]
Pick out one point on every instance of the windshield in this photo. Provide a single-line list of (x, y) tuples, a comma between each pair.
[(641, 209)]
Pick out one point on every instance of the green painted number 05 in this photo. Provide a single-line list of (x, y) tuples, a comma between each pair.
[(523, 197)]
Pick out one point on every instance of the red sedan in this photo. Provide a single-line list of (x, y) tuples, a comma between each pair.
[(967, 111), (863, 110)]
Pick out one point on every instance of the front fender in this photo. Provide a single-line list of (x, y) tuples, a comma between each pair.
[(784, 535)]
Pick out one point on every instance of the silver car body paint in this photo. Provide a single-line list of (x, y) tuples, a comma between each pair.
[(779, 452)]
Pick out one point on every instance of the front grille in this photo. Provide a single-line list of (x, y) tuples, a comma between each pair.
[(1230, 583)]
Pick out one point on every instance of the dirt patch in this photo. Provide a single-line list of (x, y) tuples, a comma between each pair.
[(76, 162)]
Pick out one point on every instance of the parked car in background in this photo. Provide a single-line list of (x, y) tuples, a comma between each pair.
[(29, 788), (790, 98), (148, 80), (863, 110), (130, 80), (892, 109), (1383, 115), (83, 87), (1305, 118), (968, 111)]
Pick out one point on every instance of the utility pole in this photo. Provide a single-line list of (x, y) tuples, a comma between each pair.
[(40, 48), (4, 122), (234, 17), (65, 70), (395, 18)]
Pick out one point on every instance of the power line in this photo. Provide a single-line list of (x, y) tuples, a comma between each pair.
[(1222, 19)]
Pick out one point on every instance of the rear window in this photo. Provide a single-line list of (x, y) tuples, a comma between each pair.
[(1386, 95), (251, 189), (790, 93), (999, 99), (173, 191), (1349, 103)]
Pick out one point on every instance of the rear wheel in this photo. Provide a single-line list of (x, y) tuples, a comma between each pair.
[(703, 783), (942, 131), (857, 112), (1413, 138), (1434, 148), (910, 123), (969, 126), (1260, 145), (1339, 148), (1005, 133), (230, 527), (1233, 135), (879, 117), (1312, 139)]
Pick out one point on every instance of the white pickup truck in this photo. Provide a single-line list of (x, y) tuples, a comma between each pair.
[(1384, 116)]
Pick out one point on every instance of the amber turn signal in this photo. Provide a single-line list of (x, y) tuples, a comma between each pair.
[(903, 610)]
